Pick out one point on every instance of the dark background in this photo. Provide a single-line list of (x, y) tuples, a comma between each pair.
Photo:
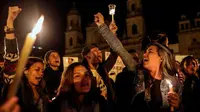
[(160, 15)]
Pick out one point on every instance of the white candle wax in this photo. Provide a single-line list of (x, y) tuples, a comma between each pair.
[(27, 48)]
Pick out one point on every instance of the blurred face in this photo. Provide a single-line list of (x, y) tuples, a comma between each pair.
[(180, 74), (192, 67), (96, 55), (35, 73), (54, 59), (151, 59), (81, 79)]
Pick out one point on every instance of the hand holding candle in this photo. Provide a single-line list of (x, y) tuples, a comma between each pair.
[(112, 10), (170, 91), (173, 97), (27, 48)]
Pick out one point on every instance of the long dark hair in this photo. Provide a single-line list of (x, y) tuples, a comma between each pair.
[(186, 61), (30, 62), (66, 83)]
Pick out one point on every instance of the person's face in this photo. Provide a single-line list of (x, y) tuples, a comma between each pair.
[(54, 59), (151, 59), (81, 79), (35, 73), (192, 67), (96, 55)]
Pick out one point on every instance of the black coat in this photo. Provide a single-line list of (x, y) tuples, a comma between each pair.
[(191, 94), (52, 79), (103, 70), (66, 102)]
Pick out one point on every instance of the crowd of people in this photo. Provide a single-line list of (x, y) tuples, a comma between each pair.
[(155, 83)]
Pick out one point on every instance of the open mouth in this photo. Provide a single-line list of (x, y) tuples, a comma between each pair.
[(38, 78), (57, 61), (145, 60)]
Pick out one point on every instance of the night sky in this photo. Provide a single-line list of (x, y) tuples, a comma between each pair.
[(160, 15)]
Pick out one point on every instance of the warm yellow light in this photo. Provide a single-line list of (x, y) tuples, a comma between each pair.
[(38, 26), (112, 12), (170, 85), (112, 9)]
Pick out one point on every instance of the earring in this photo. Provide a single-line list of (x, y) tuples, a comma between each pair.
[(25, 72)]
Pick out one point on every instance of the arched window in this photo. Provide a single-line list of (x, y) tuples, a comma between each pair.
[(70, 42), (182, 27), (133, 7), (134, 29)]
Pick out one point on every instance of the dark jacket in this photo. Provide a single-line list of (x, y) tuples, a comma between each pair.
[(124, 90), (52, 81), (66, 102), (103, 70), (191, 92)]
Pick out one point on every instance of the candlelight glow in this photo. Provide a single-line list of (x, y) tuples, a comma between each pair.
[(112, 12), (38, 26), (111, 9), (170, 85)]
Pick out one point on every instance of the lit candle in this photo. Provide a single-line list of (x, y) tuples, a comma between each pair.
[(112, 10), (27, 48), (171, 91)]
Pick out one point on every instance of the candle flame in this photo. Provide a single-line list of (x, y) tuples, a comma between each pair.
[(38, 26), (112, 11), (170, 84)]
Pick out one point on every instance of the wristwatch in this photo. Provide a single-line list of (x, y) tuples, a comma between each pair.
[(8, 30)]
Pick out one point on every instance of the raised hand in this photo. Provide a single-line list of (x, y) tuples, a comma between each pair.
[(13, 13), (113, 27), (99, 19)]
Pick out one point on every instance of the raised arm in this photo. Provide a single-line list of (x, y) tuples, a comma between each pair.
[(111, 60), (114, 42), (10, 44)]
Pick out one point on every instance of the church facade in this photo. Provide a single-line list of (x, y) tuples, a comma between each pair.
[(74, 38), (189, 36)]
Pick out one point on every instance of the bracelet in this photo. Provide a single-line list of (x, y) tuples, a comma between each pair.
[(8, 30)]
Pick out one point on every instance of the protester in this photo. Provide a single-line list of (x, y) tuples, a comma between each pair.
[(92, 59), (11, 55), (31, 91), (191, 88), (160, 68), (75, 92), (52, 72)]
